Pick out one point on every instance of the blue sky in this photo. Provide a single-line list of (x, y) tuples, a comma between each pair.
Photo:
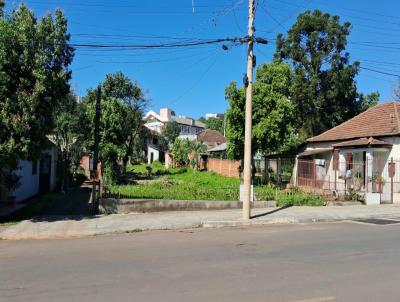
[(192, 81)]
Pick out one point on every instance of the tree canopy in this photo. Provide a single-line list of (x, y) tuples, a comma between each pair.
[(121, 125), (34, 78), (323, 89), (170, 132), (215, 123), (273, 113)]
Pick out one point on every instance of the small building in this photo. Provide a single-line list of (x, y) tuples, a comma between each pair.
[(211, 138), (36, 177), (189, 128), (358, 158)]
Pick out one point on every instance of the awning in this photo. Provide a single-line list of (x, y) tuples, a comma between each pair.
[(314, 151), (363, 142), (218, 148)]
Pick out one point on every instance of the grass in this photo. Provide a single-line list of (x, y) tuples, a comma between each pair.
[(187, 184), (182, 184)]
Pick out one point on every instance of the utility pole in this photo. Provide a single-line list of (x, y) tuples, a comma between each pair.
[(248, 122), (96, 146)]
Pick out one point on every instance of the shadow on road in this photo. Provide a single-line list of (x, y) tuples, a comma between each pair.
[(270, 212)]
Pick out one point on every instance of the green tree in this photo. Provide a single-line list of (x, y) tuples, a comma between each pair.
[(121, 126), (368, 101), (170, 132), (181, 150), (120, 87), (273, 112), (66, 135), (34, 78), (114, 130), (323, 89), (215, 123)]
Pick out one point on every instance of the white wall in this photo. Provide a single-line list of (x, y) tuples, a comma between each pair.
[(29, 186), (156, 154), (29, 183)]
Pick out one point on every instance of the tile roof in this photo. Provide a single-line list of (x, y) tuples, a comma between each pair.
[(211, 136), (380, 120), (363, 142)]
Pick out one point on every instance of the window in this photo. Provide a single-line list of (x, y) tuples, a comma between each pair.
[(34, 167)]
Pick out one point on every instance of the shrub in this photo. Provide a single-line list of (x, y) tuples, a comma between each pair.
[(296, 197), (266, 193)]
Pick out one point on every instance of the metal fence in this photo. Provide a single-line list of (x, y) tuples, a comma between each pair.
[(367, 175)]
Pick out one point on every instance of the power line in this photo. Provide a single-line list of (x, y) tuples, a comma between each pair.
[(381, 72)]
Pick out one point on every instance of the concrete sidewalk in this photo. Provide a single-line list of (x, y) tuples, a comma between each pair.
[(57, 227)]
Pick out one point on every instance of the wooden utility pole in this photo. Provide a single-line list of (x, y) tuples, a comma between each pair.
[(248, 122), (96, 146)]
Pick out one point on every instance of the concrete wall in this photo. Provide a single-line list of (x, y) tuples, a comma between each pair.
[(224, 167)]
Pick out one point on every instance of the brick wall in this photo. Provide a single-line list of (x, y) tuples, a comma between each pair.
[(224, 167)]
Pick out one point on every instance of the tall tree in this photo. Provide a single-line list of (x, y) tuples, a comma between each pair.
[(66, 135), (34, 77), (368, 101), (120, 87), (120, 122), (170, 132), (273, 112), (215, 123), (324, 89)]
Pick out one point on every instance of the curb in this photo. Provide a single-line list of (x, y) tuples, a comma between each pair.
[(280, 221)]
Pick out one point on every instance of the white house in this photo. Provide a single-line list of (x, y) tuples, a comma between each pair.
[(36, 176), (189, 128), (361, 155)]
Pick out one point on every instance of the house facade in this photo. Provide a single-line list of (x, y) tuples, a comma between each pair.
[(36, 177), (360, 157), (155, 122)]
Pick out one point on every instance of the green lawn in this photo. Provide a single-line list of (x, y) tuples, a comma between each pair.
[(181, 184), (187, 184)]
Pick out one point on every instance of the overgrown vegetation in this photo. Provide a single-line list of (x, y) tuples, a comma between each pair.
[(188, 184), (181, 184)]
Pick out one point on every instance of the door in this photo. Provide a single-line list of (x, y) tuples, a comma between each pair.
[(45, 174)]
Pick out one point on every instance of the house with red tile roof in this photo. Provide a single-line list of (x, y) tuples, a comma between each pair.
[(359, 158)]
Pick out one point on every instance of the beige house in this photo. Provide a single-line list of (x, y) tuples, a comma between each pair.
[(360, 156)]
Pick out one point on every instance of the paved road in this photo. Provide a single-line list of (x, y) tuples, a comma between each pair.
[(308, 263)]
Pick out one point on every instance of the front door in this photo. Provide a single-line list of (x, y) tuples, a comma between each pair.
[(45, 174)]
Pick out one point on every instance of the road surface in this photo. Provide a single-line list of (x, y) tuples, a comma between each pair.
[(302, 263)]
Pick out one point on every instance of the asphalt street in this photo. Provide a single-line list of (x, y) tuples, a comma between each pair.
[(307, 263)]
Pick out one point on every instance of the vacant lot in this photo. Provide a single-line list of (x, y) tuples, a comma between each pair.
[(179, 184)]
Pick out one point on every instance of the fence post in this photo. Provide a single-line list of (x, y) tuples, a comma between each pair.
[(391, 180)]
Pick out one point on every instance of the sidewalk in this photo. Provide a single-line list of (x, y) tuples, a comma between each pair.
[(56, 227)]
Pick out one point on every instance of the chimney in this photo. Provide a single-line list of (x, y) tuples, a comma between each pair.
[(166, 113)]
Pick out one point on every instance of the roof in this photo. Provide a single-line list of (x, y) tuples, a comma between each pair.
[(380, 120), (179, 119), (218, 148), (188, 121), (314, 151), (363, 142), (212, 136)]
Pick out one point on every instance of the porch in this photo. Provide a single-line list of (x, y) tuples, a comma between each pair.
[(352, 170)]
